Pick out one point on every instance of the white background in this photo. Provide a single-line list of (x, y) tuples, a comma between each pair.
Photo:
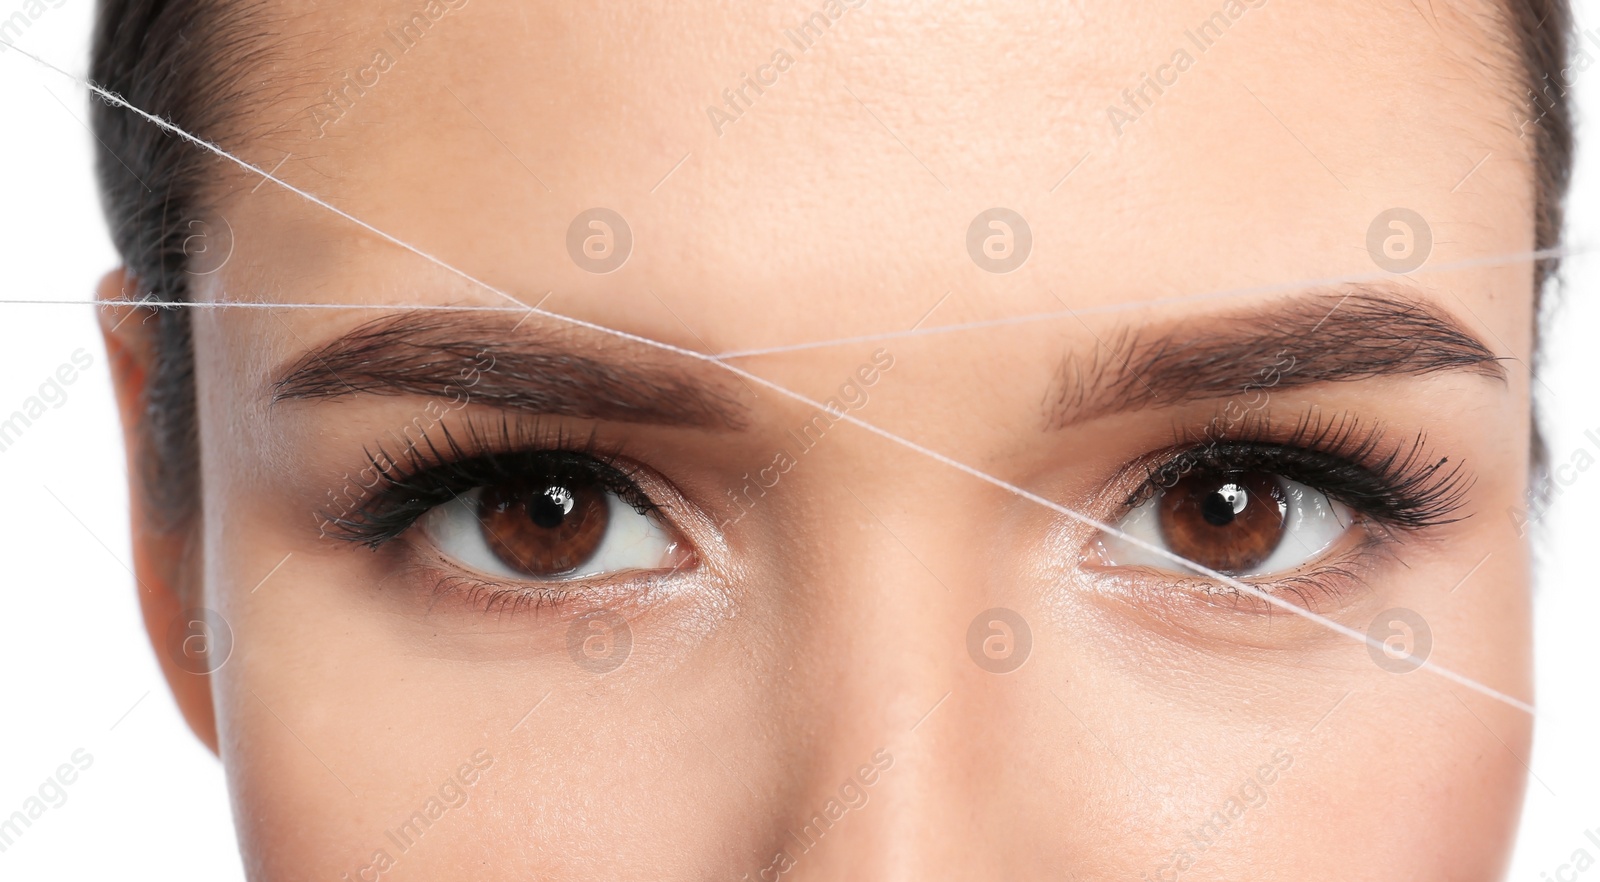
[(76, 670)]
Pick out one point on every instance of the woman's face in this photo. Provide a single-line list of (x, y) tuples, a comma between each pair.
[(1245, 279)]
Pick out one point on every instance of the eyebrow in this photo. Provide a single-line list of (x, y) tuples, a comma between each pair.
[(1326, 337), (490, 362)]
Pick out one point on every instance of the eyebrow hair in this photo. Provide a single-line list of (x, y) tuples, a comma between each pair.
[(491, 362), (1307, 339)]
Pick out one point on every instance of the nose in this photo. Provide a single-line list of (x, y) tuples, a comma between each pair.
[(914, 761)]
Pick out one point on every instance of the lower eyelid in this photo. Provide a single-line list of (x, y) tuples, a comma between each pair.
[(441, 582), (488, 597), (1332, 583)]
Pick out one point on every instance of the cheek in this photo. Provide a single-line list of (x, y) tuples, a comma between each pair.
[(1466, 786)]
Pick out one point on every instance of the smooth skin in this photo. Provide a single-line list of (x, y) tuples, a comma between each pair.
[(822, 639)]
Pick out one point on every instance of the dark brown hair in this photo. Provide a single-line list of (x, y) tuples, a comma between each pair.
[(190, 61), (186, 61)]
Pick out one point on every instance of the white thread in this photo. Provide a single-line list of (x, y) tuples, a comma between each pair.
[(911, 445), (245, 304)]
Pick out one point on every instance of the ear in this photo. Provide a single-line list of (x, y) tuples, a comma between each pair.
[(165, 561)]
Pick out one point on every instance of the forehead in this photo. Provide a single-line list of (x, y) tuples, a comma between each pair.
[(827, 160)]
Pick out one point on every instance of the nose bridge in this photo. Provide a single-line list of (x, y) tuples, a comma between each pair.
[(901, 776)]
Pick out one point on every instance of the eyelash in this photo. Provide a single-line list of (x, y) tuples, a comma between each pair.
[(1399, 485), (424, 476)]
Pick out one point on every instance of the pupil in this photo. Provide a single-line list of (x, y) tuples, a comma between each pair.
[(1220, 507), (551, 507)]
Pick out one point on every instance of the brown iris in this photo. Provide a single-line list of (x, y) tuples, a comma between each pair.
[(545, 526), (1230, 523)]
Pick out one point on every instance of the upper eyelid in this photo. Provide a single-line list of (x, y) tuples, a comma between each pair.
[(616, 480), (1422, 496), (439, 446)]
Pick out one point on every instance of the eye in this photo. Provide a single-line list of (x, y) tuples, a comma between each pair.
[(1239, 523), (562, 522), (1266, 504), (514, 501)]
